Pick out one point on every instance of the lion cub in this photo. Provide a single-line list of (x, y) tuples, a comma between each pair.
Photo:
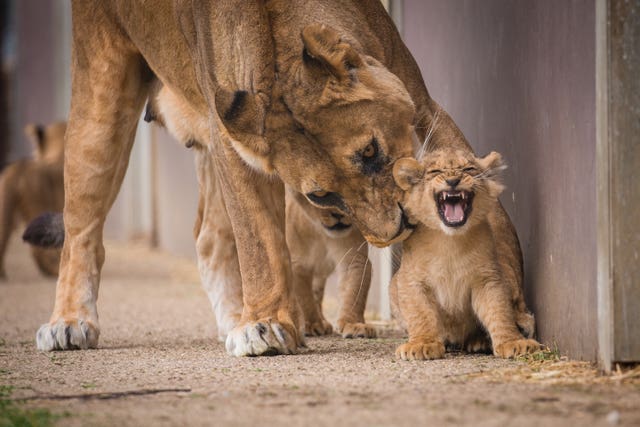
[(30, 187), (459, 280)]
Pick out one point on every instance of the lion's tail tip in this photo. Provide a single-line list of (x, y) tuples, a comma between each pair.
[(46, 230)]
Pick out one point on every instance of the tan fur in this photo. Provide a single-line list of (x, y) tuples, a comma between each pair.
[(322, 241), (31, 187), (455, 283), (319, 240), (294, 93)]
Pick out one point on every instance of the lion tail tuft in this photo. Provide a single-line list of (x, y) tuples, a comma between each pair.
[(46, 230)]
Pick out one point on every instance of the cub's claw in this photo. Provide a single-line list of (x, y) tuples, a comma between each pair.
[(515, 348), (358, 330), (262, 338), (421, 350), (67, 335)]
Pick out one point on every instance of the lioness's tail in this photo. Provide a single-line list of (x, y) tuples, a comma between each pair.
[(47, 230)]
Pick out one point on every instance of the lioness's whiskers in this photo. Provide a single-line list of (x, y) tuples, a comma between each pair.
[(355, 254), (364, 271), (434, 123), (343, 257)]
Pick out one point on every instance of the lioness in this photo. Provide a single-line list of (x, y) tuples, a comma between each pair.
[(30, 187), (319, 240), (459, 280), (320, 95)]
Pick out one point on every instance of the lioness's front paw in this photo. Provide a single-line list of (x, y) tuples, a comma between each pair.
[(262, 338), (421, 350), (358, 330), (67, 335), (516, 348), (319, 327)]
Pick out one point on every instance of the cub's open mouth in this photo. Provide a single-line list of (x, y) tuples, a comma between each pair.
[(454, 207)]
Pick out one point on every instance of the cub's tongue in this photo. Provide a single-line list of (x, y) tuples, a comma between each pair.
[(453, 212)]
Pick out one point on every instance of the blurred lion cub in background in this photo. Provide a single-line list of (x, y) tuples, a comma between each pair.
[(30, 187), (459, 284)]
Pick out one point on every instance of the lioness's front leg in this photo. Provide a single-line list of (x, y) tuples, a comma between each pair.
[(270, 317), (493, 305), (107, 97), (419, 310)]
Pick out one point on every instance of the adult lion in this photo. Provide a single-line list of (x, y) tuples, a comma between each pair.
[(322, 95)]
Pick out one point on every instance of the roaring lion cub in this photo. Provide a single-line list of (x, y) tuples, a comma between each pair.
[(456, 283), (30, 187)]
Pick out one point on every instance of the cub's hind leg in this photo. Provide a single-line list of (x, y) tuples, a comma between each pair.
[(108, 92)]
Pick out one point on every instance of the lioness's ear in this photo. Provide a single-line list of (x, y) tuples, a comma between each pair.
[(243, 115), (407, 172), (324, 49)]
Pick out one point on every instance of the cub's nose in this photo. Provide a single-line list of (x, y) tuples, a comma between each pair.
[(453, 181)]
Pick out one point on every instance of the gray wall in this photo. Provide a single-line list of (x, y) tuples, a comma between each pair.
[(519, 77)]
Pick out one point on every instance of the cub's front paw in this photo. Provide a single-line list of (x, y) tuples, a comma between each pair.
[(516, 348), (420, 350), (317, 328), (67, 335), (263, 338), (358, 330)]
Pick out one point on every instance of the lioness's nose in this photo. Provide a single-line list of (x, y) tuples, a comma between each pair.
[(453, 181)]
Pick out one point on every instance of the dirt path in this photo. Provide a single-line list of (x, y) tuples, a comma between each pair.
[(158, 333)]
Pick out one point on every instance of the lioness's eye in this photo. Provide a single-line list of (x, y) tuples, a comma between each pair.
[(370, 151), (370, 159)]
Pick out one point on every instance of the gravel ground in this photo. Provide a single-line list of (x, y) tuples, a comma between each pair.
[(159, 364)]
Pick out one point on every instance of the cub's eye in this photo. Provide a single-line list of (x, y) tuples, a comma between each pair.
[(434, 171), (470, 169)]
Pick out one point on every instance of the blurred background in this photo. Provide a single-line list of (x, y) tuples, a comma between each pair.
[(551, 85)]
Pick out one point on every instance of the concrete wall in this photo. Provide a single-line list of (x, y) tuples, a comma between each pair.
[(519, 77)]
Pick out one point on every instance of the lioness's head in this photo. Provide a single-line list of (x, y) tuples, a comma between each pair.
[(451, 190), (337, 122), (352, 120)]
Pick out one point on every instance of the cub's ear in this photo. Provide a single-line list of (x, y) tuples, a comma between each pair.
[(407, 172), (35, 133), (324, 50), (492, 165), (493, 160)]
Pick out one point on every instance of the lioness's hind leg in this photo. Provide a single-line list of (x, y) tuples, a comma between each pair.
[(108, 93)]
